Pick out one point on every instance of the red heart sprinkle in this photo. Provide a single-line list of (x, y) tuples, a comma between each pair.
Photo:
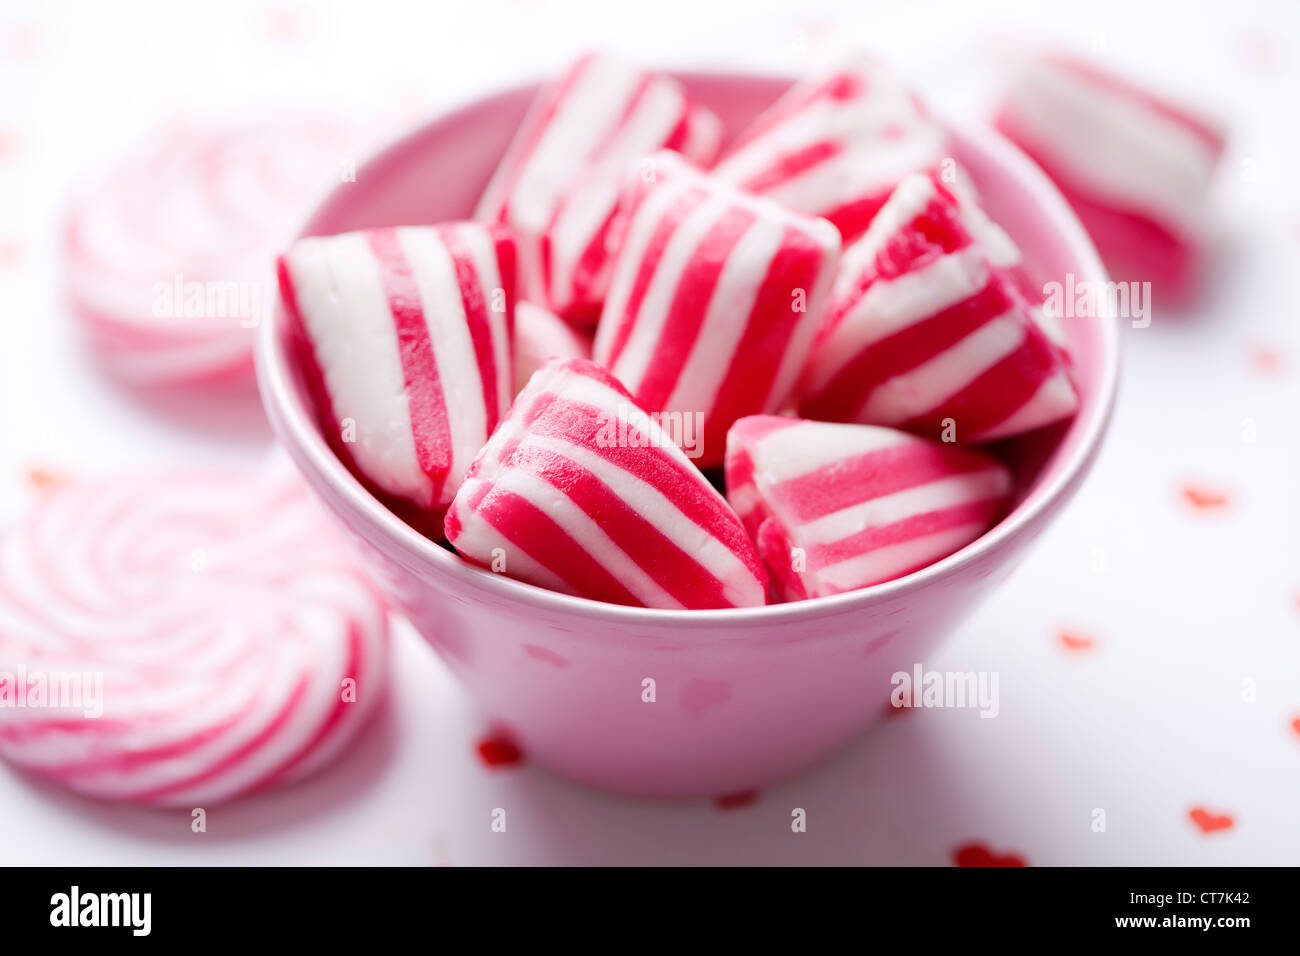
[(734, 801), (499, 752), (1210, 822), (43, 479), (977, 854), (1265, 360), (1204, 498)]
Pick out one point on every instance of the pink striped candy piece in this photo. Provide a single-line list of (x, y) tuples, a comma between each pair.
[(836, 145), (923, 332), (558, 185), (840, 507), (541, 335), (714, 300), (167, 259), (1002, 252), (581, 491), (407, 337), (1146, 213), (181, 639)]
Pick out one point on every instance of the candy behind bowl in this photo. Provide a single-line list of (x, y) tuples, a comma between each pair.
[(1148, 212), (167, 258)]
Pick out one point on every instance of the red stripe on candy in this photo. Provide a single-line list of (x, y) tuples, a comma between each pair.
[(772, 322), (538, 125), (787, 167), (678, 573), (975, 513), (681, 484), (663, 232), (475, 304), (999, 392), (689, 310), (531, 530), (630, 108), (430, 425), (851, 387), (850, 481)]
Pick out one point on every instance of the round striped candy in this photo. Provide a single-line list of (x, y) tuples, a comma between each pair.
[(581, 491), (180, 639), (558, 184), (167, 259), (407, 336), (839, 507), (924, 332)]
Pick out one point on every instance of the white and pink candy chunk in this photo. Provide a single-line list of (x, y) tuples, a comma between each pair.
[(541, 335), (558, 185), (581, 492), (926, 330), (1136, 167), (838, 507), (836, 144), (407, 334), (715, 299)]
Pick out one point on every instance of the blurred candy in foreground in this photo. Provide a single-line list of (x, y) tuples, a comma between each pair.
[(183, 638)]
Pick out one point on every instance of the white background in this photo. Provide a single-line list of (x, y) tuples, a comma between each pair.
[(1186, 696)]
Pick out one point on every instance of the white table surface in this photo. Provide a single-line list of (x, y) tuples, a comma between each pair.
[(1189, 695)]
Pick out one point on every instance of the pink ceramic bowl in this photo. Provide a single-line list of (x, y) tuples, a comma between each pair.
[(740, 697)]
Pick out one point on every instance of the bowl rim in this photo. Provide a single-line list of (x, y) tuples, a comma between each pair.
[(294, 423)]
